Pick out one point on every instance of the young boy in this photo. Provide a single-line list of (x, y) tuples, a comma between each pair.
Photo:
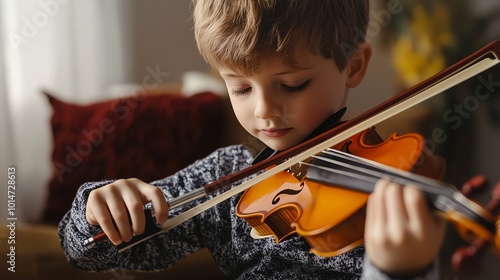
[(288, 66)]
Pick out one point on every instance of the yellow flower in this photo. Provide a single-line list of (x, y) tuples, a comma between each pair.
[(414, 65), (419, 53)]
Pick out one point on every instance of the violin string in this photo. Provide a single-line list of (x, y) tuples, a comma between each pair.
[(456, 203), (405, 176), (362, 172), (361, 167), (447, 195), (368, 179)]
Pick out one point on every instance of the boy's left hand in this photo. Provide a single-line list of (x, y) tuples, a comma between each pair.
[(402, 235)]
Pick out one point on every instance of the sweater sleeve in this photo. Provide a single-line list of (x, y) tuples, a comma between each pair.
[(164, 249), (371, 272)]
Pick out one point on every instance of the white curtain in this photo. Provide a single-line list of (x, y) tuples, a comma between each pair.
[(75, 49)]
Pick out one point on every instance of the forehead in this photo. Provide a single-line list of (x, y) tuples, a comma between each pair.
[(277, 64)]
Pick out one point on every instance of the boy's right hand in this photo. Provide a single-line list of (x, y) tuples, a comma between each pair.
[(118, 208)]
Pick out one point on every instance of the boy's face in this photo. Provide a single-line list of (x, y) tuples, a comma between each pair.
[(281, 105)]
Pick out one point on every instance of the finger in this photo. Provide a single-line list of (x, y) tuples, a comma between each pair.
[(376, 212), (102, 217), (120, 215), (419, 214), (135, 201), (156, 197), (161, 207), (424, 224), (370, 208), (380, 212), (91, 217), (397, 217), (135, 208)]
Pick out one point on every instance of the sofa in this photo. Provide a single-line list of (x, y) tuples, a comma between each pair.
[(38, 256)]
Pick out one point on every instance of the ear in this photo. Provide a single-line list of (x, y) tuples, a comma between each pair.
[(356, 68)]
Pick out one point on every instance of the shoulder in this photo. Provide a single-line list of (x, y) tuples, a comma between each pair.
[(225, 161), (219, 163), (235, 156)]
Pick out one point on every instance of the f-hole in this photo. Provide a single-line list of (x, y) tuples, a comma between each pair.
[(276, 198), (345, 147)]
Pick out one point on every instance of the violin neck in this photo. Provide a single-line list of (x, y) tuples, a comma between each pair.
[(334, 167), (339, 169)]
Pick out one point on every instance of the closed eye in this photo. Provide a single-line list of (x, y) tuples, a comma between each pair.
[(296, 89), (241, 91)]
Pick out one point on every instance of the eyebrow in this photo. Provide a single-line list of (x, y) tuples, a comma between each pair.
[(294, 70), (233, 75)]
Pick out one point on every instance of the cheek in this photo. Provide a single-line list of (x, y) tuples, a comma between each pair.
[(332, 99), (308, 120), (314, 110), (243, 111)]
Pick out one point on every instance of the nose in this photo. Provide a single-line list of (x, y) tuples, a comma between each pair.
[(266, 106)]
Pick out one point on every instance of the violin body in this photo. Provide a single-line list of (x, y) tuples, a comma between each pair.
[(327, 217), (330, 218)]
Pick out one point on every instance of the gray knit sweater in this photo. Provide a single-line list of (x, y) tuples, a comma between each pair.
[(227, 237)]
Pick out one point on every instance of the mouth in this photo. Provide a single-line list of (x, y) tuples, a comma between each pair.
[(275, 132)]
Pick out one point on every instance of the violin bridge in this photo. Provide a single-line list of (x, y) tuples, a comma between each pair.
[(299, 170)]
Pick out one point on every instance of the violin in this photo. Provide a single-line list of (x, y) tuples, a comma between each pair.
[(324, 200), (329, 167)]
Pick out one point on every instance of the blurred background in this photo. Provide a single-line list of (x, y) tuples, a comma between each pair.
[(93, 52)]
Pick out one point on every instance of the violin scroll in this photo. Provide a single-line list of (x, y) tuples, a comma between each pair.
[(466, 258)]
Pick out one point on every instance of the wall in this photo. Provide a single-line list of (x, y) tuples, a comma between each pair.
[(161, 34)]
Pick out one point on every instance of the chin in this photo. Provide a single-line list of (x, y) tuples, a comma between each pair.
[(278, 145)]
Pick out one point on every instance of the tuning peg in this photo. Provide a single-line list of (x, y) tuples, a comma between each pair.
[(466, 258), (473, 186), (495, 195)]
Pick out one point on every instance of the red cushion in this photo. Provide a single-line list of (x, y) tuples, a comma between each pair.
[(144, 136)]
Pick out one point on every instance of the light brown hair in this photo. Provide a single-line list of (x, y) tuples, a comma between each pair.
[(242, 34)]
